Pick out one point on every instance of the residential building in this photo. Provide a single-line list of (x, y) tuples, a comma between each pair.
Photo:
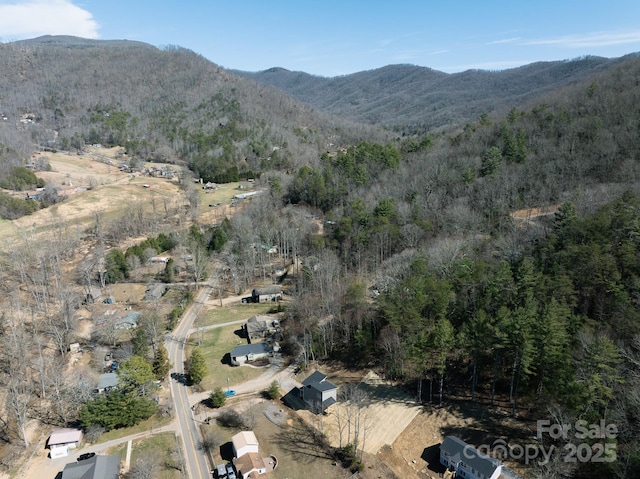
[(466, 461), (96, 467), (61, 440), (318, 392), (250, 465), (249, 352)]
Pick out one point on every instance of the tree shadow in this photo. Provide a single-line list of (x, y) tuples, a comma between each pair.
[(182, 378), (304, 444)]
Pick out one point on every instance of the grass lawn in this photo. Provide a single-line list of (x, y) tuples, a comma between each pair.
[(159, 449), (153, 422), (233, 313), (215, 344)]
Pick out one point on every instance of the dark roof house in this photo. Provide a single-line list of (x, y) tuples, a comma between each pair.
[(318, 392), (466, 461), (249, 352), (96, 467)]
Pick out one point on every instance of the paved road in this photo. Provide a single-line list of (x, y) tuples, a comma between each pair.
[(194, 458)]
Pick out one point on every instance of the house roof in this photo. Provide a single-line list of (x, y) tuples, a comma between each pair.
[(273, 289), (257, 324), (65, 436), (96, 467), (246, 349), (460, 451), (319, 382), (248, 462), (107, 380), (244, 439)]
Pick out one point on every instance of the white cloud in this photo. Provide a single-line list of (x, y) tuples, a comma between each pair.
[(506, 40), (33, 18), (589, 40)]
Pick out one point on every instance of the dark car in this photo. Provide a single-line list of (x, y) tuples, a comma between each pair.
[(86, 455)]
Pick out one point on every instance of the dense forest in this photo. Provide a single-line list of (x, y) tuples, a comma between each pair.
[(410, 98), (421, 268)]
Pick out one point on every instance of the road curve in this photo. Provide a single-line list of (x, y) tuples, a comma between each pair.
[(194, 458)]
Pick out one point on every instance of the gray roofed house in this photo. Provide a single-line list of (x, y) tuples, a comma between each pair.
[(466, 461), (318, 392), (96, 467), (266, 294), (249, 352), (130, 321), (106, 382), (258, 327)]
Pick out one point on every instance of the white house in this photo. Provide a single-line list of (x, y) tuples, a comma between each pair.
[(250, 464), (466, 461), (249, 352), (243, 443), (61, 440)]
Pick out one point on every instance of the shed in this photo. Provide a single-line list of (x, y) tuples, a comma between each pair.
[(244, 442)]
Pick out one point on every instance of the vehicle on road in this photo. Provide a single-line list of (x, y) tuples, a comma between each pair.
[(86, 455)]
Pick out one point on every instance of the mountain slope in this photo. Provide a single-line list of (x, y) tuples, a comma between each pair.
[(410, 98), (168, 104)]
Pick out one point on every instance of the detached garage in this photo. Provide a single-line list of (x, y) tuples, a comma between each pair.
[(61, 440)]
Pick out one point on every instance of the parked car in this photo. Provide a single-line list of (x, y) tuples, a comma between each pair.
[(231, 474), (86, 455), (220, 472)]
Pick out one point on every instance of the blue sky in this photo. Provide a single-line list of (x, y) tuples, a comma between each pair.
[(332, 38)]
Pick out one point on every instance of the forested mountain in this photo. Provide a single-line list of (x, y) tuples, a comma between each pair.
[(170, 104), (416, 99)]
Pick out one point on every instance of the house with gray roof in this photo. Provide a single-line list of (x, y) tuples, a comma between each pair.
[(318, 392), (466, 461), (96, 467), (249, 352)]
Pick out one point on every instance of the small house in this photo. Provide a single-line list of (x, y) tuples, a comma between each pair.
[(106, 382), (61, 440), (249, 352), (251, 465), (258, 327), (243, 443), (155, 291), (466, 461), (96, 467), (266, 294), (318, 392), (130, 321)]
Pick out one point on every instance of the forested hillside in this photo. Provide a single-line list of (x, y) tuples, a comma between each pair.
[(416, 99), (164, 105), (494, 262)]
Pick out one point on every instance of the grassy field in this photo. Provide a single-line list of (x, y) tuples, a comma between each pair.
[(215, 344), (233, 313), (157, 449)]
